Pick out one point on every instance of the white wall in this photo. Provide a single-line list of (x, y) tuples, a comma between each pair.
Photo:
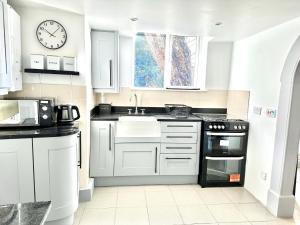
[(74, 25), (257, 64), (218, 63)]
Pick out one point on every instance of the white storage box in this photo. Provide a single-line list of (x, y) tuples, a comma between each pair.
[(37, 61), (69, 63), (53, 62)]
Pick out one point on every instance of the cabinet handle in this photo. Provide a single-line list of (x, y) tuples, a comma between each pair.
[(110, 73), (178, 158), (178, 147), (179, 136), (80, 153), (155, 170), (180, 126), (109, 137)]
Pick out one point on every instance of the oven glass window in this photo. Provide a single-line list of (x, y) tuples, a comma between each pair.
[(224, 170), (225, 144)]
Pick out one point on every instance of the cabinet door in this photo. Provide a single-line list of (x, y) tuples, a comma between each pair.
[(137, 159), (16, 171), (14, 28), (4, 41), (105, 60), (55, 166), (102, 149)]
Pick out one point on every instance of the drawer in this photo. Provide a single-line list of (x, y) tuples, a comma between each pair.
[(179, 127), (180, 138), (179, 148), (178, 164)]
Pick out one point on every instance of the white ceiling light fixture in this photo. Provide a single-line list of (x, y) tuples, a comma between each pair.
[(134, 19)]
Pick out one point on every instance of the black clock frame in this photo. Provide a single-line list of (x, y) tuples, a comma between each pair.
[(37, 29)]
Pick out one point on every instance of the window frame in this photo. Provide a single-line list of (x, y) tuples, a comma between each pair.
[(200, 67)]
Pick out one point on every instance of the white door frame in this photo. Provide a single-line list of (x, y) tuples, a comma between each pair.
[(280, 195)]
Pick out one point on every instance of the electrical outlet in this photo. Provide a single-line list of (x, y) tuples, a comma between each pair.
[(257, 110), (263, 175), (272, 113)]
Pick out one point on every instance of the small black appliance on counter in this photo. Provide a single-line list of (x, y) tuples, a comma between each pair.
[(223, 152), (104, 108), (66, 114)]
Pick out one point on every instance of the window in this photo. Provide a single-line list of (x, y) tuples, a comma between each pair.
[(169, 61), (183, 61), (149, 60)]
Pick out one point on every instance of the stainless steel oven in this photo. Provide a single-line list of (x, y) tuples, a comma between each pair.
[(223, 153)]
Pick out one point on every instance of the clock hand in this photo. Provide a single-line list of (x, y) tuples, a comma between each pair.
[(55, 31), (49, 33)]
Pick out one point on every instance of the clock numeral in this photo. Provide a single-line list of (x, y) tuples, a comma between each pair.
[(51, 46), (39, 33), (45, 24), (62, 42), (41, 39), (51, 22), (41, 28), (57, 45), (58, 26), (64, 36), (62, 30), (46, 43)]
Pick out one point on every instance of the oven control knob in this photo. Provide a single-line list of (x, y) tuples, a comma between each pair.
[(44, 108), (223, 127), (234, 127), (244, 127), (215, 127), (240, 127), (219, 127), (210, 126), (45, 117)]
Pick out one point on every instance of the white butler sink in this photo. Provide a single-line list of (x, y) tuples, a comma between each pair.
[(137, 129)]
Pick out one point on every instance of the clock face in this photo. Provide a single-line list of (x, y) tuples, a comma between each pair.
[(51, 34)]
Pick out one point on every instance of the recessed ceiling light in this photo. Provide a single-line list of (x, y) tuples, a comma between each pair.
[(134, 19), (218, 23)]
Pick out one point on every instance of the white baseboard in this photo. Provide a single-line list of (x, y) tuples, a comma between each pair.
[(281, 205), (86, 194)]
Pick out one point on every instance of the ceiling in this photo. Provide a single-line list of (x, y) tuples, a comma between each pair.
[(239, 18)]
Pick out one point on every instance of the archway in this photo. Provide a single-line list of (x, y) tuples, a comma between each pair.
[(280, 196)]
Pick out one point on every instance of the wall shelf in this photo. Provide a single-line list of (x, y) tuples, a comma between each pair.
[(61, 72)]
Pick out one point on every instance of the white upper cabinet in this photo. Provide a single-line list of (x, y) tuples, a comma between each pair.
[(5, 81), (105, 61), (14, 30)]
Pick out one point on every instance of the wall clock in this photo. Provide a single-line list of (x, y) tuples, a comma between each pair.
[(51, 34)]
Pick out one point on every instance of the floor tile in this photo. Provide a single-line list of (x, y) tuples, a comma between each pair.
[(156, 188), (243, 223), (131, 188), (131, 199), (239, 195), (226, 213), (186, 197), (78, 214), (98, 217), (182, 187), (131, 216), (282, 222), (213, 196), (255, 212), (194, 214), (159, 198), (103, 199), (164, 215)]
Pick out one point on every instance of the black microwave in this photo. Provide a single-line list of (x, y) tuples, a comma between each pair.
[(26, 113)]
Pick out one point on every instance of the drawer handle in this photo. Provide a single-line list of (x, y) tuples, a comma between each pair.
[(178, 147), (179, 136), (178, 158), (155, 169), (180, 125)]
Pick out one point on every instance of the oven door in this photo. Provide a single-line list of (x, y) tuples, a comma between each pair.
[(223, 171), (223, 143)]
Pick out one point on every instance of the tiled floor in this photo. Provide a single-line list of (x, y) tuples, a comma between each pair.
[(175, 205)]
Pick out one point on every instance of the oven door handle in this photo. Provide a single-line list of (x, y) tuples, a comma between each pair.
[(225, 134), (224, 158)]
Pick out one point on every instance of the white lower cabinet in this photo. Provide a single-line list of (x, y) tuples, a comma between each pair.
[(137, 159), (178, 164), (55, 166), (16, 171)]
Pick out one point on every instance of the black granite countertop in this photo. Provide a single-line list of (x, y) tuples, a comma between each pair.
[(38, 132), (25, 214), (158, 112)]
